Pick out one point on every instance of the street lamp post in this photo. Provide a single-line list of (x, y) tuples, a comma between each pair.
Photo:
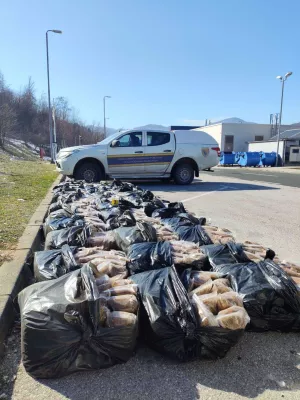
[(49, 101), (283, 79), (104, 118)]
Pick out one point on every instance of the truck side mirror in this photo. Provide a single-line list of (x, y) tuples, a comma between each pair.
[(115, 143)]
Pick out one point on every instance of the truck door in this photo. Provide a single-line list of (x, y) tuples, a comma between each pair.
[(127, 156), (159, 151)]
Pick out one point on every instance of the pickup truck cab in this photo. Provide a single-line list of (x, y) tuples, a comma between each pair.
[(139, 154)]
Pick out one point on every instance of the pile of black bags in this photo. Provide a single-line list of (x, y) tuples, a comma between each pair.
[(63, 314)]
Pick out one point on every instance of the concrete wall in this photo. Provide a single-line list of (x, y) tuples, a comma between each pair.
[(243, 133), (267, 147)]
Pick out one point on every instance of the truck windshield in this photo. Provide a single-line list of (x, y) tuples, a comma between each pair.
[(108, 139)]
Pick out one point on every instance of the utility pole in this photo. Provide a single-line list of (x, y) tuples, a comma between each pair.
[(49, 101), (283, 79), (104, 117)]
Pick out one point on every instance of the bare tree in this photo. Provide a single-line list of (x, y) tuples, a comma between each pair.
[(26, 117), (7, 122)]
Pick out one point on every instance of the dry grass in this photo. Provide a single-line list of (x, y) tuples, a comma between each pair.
[(23, 184)]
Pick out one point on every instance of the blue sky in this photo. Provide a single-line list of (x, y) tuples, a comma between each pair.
[(163, 62)]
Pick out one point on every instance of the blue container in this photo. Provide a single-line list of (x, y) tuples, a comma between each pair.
[(268, 159), (227, 158), (249, 159), (237, 157)]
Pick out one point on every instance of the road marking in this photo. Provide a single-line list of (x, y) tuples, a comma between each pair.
[(252, 173), (206, 193)]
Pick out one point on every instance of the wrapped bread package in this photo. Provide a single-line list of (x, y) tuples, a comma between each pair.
[(234, 317), (206, 288), (200, 277), (126, 302), (206, 316), (176, 324), (91, 336), (121, 282), (221, 285), (121, 290), (118, 319)]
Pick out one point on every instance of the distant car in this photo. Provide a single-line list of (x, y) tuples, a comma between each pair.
[(138, 154)]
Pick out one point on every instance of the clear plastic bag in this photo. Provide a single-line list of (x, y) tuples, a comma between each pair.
[(233, 318), (118, 319), (121, 290), (126, 302), (103, 240), (107, 268), (200, 277), (206, 316)]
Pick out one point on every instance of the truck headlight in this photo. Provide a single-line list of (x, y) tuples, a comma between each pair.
[(68, 154)]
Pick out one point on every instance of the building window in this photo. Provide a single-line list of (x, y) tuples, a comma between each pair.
[(229, 143), (296, 151), (259, 138)]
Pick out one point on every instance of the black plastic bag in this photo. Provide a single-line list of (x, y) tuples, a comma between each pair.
[(59, 220), (171, 211), (230, 253), (183, 219), (142, 232), (147, 256), (55, 207), (135, 198), (125, 219), (120, 186), (73, 236), (151, 206), (110, 212), (193, 233), (147, 195), (51, 264), (270, 297), (169, 323), (60, 328), (47, 265)]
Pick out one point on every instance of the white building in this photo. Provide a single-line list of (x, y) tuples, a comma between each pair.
[(289, 146), (236, 136)]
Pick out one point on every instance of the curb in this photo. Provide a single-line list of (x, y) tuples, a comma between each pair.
[(16, 274)]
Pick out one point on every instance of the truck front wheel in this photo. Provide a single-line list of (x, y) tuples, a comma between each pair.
[(89, 172), (183, 174)]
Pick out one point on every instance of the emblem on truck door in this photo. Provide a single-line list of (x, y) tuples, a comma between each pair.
[(205, 151)]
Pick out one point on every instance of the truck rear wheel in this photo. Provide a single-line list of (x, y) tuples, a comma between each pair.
[(183, 174), (89, 172)]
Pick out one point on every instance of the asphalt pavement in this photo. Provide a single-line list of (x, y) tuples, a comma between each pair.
[(270, 175), (260, 366)]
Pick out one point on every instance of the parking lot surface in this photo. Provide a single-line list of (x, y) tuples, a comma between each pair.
[(272, 175), (261, 366)]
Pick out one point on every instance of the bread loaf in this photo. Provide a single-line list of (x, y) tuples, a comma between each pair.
[(126, 302), (233, 318), (117, 319), (226, 300)]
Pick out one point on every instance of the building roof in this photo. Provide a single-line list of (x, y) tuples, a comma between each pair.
[(288, 134), (183, 127)]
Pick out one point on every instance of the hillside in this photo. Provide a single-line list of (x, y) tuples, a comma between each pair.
[(18, 149)]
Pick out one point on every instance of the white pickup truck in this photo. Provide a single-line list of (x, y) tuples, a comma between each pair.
[(138, 154)]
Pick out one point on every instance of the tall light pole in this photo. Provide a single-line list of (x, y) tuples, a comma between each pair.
[(104, 118), (283, 79), (49, 101)]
